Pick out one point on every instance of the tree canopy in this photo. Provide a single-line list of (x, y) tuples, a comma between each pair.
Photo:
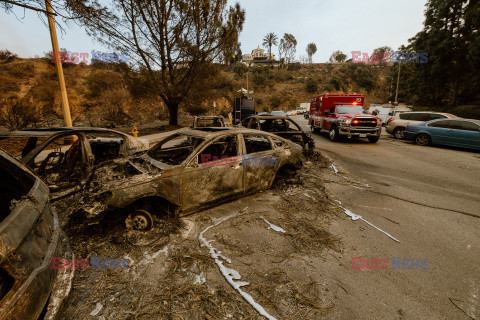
[(338, 56), (288, 47), (175, 41), (311, 49), (270, 40), (451, 38)]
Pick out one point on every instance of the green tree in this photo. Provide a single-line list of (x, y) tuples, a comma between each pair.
[(311, 85), (240, 69), (270, 40), (176, 41), (289, 46), (381, 55), (447, 74), (338, 56), (311, 49)]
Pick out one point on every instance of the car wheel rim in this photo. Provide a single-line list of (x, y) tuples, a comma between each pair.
[(140, 222), (332, 134), (399, 134), (422, 140)]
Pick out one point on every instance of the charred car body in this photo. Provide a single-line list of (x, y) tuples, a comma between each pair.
[(65, 158), (187, 169), (282, 126), (192, 169), (209, 122), (30, 237)]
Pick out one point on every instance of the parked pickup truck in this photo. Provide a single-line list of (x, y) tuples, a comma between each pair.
[(343, 116)]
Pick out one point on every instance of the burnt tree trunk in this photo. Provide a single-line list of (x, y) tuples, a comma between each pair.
[(173, 113)]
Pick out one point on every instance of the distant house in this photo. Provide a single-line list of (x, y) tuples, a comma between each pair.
[(257, 56)]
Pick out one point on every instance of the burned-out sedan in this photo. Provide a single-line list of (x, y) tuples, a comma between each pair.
[(192, 169), (66, 157), (282, 126), (30, 237), (209, 122)]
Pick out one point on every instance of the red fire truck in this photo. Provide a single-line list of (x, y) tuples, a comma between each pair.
[(342, 115)]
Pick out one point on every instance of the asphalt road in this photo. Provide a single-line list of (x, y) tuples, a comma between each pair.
[(426, 197)]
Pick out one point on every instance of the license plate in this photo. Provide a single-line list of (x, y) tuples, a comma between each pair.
[(362, 135)]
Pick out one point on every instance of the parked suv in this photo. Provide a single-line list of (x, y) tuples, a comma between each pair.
[(397, 125)]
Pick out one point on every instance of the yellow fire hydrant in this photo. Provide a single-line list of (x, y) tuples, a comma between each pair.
[(135, 132)]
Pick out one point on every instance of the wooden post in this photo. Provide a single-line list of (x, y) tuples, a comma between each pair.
[(58, 63)]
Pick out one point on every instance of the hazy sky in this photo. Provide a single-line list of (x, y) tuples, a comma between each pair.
[(347, 25)]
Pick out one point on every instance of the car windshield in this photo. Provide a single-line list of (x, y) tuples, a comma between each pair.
[(349, 109), (175, 149), (278, 113)]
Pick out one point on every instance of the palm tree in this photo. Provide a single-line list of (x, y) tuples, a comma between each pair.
[(269, 41)]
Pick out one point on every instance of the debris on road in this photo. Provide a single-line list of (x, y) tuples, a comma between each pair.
[(97, 309), (272, 226), (231, 275), (357, 217)]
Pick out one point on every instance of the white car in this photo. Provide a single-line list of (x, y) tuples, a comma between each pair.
[(396, 125)]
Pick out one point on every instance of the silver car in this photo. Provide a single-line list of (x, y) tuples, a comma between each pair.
[(397, 125)]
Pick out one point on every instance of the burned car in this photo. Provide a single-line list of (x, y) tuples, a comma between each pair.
[(282, 126), (185, 171), (66, 157), (209, 122), (30, 238), (189, 170)]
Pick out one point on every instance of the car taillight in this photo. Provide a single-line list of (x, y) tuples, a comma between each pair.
[(406, 128), (389, 120), (355, 121)]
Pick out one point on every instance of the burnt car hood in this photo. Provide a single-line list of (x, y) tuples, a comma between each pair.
[(117, 175)]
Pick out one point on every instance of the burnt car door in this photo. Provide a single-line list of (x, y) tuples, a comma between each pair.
[(260, 162), (294, 133), (62, 161), (213, 173)]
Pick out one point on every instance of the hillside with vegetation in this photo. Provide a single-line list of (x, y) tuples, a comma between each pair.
[(114, 95)]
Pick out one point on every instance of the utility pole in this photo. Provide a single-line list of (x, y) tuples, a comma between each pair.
[(398, 81), (58, 63)]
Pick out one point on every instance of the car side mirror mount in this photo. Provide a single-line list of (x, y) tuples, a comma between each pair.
[(327, 113)]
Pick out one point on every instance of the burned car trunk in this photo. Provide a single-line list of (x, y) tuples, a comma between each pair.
[(30, 236)]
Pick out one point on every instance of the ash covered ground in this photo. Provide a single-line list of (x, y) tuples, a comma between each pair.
[(269, 245)]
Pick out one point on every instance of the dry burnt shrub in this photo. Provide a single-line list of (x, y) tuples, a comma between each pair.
[(17, 114), (114, 104), (100, 81), (276, 101), (7, 85), (45, 92), (196, 109), (7, 56), (148, 110), (311, 86), (49, 114)]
